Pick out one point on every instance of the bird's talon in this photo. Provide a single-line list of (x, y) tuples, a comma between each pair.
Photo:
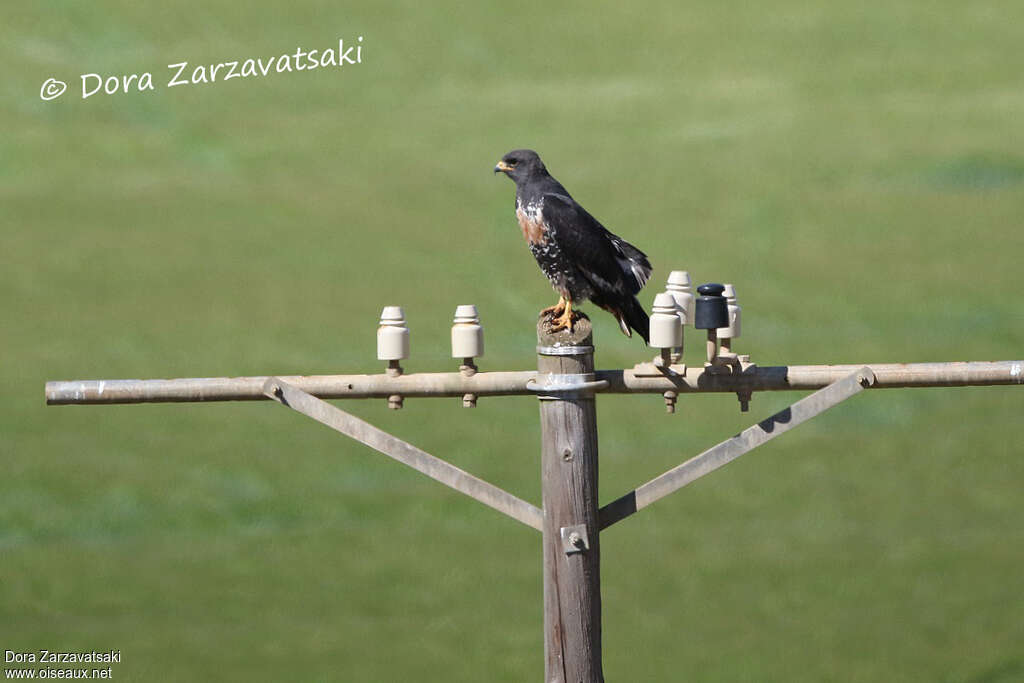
[(555, 310), (563, 321)]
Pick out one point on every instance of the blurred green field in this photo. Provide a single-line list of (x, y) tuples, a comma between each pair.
[(857, 170)]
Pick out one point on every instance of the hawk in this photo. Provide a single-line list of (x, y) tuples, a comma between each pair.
[(581, 258)]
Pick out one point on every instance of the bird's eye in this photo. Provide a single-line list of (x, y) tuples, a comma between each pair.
[(513, 162)]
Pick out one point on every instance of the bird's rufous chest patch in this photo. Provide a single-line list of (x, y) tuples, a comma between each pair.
[(531, 223)]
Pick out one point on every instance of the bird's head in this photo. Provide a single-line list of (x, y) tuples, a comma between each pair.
[(520, 164)]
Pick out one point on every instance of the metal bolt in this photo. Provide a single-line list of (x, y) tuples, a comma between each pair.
[(670, 401), (744, 395), (712, 345), (575, 540), (567, 454), (468, 369), (395, 402)]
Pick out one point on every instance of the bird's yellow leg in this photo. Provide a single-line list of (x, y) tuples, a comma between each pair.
[(557, 308), (563, 321)]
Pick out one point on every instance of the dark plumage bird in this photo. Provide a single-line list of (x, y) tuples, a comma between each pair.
[(581, 258)]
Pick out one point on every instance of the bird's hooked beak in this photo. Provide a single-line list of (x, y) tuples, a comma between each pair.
[(502, 167)]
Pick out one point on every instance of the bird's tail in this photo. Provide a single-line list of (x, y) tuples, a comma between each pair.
[(629, 315), (636, 317)]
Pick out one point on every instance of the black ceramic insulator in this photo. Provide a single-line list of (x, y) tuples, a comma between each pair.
[(712, 311)]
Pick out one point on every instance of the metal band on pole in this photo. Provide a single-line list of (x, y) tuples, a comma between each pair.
[(568, 350)]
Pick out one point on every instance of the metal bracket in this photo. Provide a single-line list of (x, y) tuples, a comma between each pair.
[(650, 369), (558, 386), (574, 539), (729, 363)]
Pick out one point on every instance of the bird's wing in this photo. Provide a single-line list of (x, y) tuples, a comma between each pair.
[(608, 261), (633, 262)]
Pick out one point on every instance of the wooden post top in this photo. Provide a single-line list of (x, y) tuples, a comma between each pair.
[(582, 332)]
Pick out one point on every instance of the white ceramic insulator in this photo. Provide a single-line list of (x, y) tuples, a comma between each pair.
[(733, 331), (392, 335), (666, 326), (467, 334), (679, 286)]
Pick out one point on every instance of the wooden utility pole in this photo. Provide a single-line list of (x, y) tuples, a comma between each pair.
[(566, 384), (572, 555)]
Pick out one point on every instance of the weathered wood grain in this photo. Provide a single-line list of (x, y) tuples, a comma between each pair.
[(569, 471)]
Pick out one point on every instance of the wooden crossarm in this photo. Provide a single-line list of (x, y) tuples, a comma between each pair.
[(730, 449), (291, 396)]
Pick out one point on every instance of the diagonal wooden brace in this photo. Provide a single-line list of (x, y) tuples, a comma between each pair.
[(405, 453), (727, 451)]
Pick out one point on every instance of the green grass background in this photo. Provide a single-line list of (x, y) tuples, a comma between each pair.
[(856, 169)]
